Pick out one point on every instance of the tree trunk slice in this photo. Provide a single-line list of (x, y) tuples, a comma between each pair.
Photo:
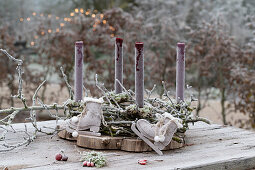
[(102, 142), (173, 145), (114, 143), (119, 143), (66, 135), (135, 145)]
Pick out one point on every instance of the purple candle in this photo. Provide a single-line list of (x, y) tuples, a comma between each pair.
[(78, 81), (118, 64), (139, 79), (180, 72)]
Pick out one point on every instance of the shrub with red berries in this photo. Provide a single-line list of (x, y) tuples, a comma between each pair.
[(91, 159)]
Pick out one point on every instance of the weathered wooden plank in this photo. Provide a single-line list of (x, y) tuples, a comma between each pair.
[(213, 147), (219, 137), (233, 164)]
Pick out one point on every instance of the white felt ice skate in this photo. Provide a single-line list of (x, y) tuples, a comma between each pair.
[(89, 121), (158, 135)]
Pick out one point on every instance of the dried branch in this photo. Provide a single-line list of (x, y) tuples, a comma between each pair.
[(11, 57), (149, 92), (166, 93), (20, 72), (67, 84), (98, 86), (27, 140), (12, 112), (119, 122), (50, 107), (125, 90), (198, 119)]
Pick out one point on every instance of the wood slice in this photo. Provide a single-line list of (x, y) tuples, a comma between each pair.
[(99, 142), (173, 145), (120, 143), (135, 145), (66, 135)]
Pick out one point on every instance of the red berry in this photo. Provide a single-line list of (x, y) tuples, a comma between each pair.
[(142, 162), (64, 158), (58, 157), (85, 163), (88, 164), (92, 164)]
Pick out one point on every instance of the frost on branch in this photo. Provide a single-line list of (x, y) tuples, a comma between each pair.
[(6, 122)]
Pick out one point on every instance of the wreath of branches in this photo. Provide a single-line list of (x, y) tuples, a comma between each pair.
[(119, 110)]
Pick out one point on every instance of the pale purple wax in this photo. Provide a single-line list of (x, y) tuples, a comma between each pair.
[(78, 81), (139, 74), (118, 64), (180, 72)]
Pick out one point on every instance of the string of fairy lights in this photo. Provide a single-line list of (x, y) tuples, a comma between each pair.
[(62, 22)]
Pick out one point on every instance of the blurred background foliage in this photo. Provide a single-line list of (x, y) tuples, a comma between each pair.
[(220, 51)]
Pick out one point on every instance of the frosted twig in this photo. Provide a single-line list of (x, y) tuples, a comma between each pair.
[(120, 122), (10, 110), (105, 91), (10, 118), (6, 121), (67, 84), (198, 119), (149, 92), (51, 115), (26, 141), (33, 114), (166, 93), (20, 72), (11, 57), (130, 95), (98, 86), (46, 108), (86, 91)]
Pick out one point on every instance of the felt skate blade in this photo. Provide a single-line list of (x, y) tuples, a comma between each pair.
[(80, 132), (133, 127), (89, 133), (69, 130)]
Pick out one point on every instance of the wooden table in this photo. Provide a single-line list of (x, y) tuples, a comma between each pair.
[(208, 147)]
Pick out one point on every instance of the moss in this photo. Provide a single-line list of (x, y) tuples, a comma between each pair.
[(177, 139), (74, 106), (119, 98), (133, 112)]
